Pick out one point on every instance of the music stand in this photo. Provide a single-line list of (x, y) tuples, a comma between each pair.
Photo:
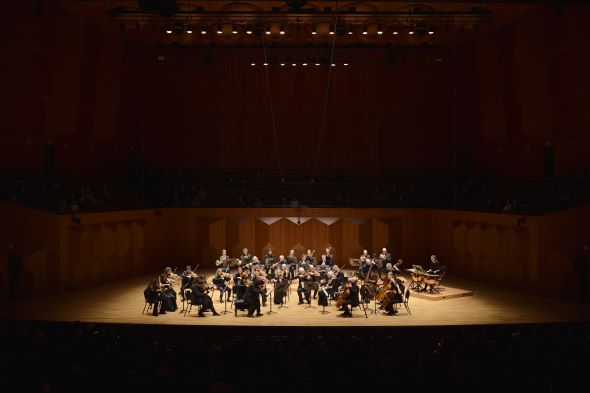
[(284, 286), (270, 299), (323, 310), (225, 303), (309, 286)]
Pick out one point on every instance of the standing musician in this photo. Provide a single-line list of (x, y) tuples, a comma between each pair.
[(394, 295), (292, 262), (246, 257), (252, 297), (329, 257), (221, 282), (385, 256), (353, 298), (302, 286), (269, 260)]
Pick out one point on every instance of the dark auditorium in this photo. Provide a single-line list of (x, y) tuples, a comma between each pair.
[(403, 186)]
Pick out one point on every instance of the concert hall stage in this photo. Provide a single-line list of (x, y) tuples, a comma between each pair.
[(122, 302)]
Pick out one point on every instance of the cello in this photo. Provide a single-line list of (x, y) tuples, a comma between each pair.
[(343, 294)]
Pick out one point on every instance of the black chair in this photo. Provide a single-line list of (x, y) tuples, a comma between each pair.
[(239, 292), (406, 300), (190, 303), (150, 302)]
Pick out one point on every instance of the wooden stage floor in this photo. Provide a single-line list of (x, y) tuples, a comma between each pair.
[(122, 302)]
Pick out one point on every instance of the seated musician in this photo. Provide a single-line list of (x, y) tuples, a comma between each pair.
[(353, 298), (365, 267), (246, 257), (394, 295), (224, 259), (292, 262), (238, 276), (309, 258), (364, 256), (187, 277), (281, 282), (167, 293), (200, 295), (385, 256), (303, 286), (269, 260), (221, 282), (435, 266), (152, 295), (327, 289), (338, 276), (252, 298)]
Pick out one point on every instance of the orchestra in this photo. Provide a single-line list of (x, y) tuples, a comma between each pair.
[(324, 280)]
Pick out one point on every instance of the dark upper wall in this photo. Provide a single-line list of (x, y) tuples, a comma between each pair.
[(96, 95), (527, 85), (68, 81)]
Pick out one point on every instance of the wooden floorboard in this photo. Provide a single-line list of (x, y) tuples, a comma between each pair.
[(122, 302)]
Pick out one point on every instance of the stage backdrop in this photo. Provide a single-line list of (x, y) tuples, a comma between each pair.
[(64, 252)]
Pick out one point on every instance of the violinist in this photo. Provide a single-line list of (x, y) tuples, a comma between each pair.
[(200, 295), (188, 277), (338, 276), (260, 277), (152, 295), (167, 293), (314, 274), (326, 289), (353, 297), (221, 282), (252, 297), (303, 286)]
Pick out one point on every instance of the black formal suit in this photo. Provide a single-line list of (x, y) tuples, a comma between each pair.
[(352, 301), (252, 298)]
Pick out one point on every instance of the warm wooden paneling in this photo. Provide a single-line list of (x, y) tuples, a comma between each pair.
[(500, 249)]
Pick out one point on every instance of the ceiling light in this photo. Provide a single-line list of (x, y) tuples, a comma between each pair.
[(395, 32), (252, 64), (345, 64), (219, 29), (314, 29), (282, 64), (379, 30), (282, 31), (317, 64), (267, 30), (203, 31), (331, 29), (265, 64), (294, 64), (365, 31), (234, 30), (189, 30)]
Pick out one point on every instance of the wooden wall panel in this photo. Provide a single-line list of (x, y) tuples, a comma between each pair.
[(110, 246)]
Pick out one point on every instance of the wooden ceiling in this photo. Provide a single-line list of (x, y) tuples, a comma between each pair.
[(366, 24)]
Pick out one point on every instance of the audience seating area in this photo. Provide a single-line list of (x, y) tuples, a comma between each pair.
[(68, 357), (342, 189)]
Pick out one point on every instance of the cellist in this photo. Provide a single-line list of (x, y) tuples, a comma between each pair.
[(353, 297)]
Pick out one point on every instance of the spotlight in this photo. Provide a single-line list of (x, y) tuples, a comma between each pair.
[(234, 29), (249, 31), (411, 32), (304, 64), (267, 32), (282, 64), (252, 64), (331, 29), (317, 64), (314, 29), (219, 29), (430, 32), (203, 31), (345, 64), (294, 65), (365, 30), (395, 32), (379, 30), (333, 65), (282, 31), (189, 30), (350, 32), (265, 64), (168, 31)]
